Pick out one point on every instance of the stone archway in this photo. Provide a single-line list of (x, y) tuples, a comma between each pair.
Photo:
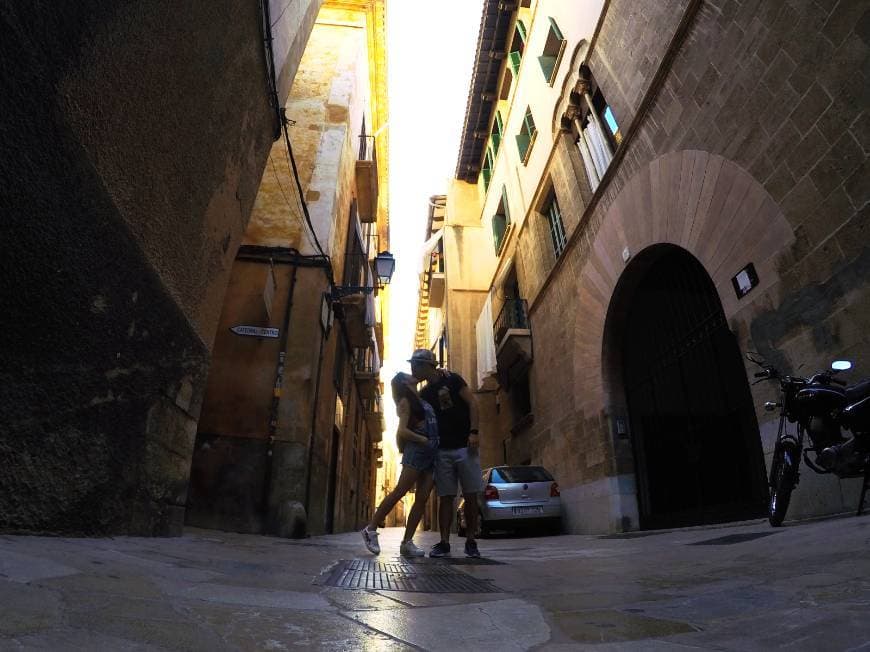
[(696, 453), (711, 208)]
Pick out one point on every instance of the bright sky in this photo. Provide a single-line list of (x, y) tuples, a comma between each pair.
[(430, 50)]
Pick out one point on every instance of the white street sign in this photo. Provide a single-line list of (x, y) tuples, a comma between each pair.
[(255, 331)]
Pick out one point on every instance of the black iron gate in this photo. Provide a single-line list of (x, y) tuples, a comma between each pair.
[(697, 450)]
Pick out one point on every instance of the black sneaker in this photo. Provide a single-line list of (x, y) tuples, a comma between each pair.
[(440, 549), (471, 548)]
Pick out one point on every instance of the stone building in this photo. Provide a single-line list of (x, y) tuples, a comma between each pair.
[(136, 140), (663, 186), (295, 421)]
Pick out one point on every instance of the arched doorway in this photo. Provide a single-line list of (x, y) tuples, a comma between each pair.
[(697, 452)]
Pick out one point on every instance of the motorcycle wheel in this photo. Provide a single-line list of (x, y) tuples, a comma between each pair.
[(781, 485)]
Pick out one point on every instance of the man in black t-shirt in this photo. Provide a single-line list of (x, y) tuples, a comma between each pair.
[(458, 459)]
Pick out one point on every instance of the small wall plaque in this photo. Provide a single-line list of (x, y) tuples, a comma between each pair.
[(744, 280)]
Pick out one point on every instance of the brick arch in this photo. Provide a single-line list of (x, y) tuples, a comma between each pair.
[(701, 202)]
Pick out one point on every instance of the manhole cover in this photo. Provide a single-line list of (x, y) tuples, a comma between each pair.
[(732, 539), (400, 575)]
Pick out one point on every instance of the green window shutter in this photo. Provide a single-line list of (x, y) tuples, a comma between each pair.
[(486, 172), (529, 123), (521, 30), (499, 123), (496, 141), (523, 141), (555, 29), (515, 57), (499, 225), (504, 203), (548, 65)]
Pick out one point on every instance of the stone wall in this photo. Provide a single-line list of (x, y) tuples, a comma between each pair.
[(136, 136), (752, 149)]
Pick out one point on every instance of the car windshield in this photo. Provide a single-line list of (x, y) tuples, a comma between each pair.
[(520, 474)]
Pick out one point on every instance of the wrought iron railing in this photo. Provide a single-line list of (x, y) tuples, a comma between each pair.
[(358, 275), (513, 314), (373, 405), (365, 361)]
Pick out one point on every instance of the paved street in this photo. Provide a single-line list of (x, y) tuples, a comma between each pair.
[(746, 586)]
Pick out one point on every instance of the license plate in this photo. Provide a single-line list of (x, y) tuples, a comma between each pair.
[(525, 511)]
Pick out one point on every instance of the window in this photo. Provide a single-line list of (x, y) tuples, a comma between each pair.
[(518, 44), (610, 121), (521, 399), (338, 370), (517, 474), (526, 137), (500, 222), (598, 133), (495, 134), (553, 49), (486, 172), (557, 228)]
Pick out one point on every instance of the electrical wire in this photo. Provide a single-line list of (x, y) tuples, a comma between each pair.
[(302, 201), (282, 128), (286, 200)]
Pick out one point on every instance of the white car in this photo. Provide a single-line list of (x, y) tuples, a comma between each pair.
[(516, 497)]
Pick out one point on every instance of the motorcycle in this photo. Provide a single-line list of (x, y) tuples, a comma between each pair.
[(821, 406)]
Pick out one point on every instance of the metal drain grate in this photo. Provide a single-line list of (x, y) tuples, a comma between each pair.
[(399, 575), (731, 539)]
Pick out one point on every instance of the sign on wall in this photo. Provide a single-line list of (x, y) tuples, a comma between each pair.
[(255, 331), (744, 280)]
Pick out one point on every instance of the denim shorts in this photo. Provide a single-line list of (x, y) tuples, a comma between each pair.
[(458, 466), (419, 456)]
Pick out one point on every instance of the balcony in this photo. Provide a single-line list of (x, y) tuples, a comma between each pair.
[(366, 371), (373, 410), (354, 300), (437, 280), (513, 339), (366, 179)]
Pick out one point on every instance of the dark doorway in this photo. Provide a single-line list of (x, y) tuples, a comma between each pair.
[(697, 451), (333, 480)]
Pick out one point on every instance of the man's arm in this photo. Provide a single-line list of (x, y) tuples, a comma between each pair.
[(466, 395)]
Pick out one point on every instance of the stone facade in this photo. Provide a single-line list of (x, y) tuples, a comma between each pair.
[(743, 131), (136, 137), (298, 454)]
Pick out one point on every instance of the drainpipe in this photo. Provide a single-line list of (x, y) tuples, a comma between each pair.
[(277, 389), (311, 432)]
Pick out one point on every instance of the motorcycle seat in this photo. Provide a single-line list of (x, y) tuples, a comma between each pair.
[(858, 391)]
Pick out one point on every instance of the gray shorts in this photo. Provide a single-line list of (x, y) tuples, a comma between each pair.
[(458, 465)]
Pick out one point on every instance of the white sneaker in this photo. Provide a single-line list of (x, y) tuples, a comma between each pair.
[(408, 549), (370, 538)]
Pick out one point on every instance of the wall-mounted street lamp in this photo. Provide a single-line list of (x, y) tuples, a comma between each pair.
[(385, 265)]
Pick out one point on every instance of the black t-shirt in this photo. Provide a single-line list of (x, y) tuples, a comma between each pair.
[(454, 416)]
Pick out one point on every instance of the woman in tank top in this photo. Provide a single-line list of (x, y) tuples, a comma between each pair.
[(417, 439)]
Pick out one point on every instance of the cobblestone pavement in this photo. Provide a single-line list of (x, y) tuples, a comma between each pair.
[(740, 587)]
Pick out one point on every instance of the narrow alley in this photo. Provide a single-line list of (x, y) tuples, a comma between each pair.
[(576, 292)]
